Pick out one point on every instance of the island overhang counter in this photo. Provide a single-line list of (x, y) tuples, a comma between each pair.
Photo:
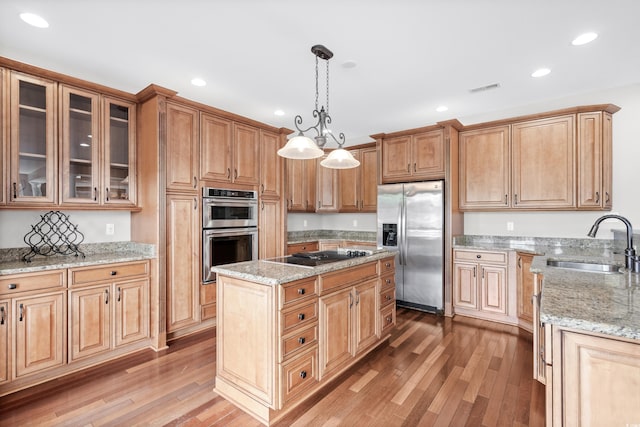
[(284, 331)]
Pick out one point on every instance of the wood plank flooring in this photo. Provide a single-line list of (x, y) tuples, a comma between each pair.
[(435, 371)]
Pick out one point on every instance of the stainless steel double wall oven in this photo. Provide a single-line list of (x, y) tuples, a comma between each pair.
[(229, 228)]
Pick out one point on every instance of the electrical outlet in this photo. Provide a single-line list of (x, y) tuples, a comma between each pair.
[(355, 222), (110, 230), (304, 222), (509, 225)]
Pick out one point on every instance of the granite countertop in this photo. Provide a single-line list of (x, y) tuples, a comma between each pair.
[(272, 273), (95, 254)]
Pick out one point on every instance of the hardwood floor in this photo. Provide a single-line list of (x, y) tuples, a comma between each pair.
[(435, 371)]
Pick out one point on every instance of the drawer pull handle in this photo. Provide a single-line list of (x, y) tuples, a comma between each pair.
[(478, 256), (21, 312), (301, 291), (13, 286), (388, 281), (301, 340), (303, 374), (113, 273), (301, 316), (388, 265), (1, 315)]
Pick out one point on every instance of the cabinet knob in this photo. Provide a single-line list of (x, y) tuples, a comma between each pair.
[(301, 291), (301, 340), (478, 256), (388, 265), (303, 374), (388, 281), (389, 319), (113, 273), (13, 286), (388, 297), (301, 316)]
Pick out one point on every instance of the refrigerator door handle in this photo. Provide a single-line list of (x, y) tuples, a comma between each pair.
[(401, 220)]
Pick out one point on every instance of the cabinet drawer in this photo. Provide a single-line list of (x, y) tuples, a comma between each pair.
[(299, 374), (299, 340), (302, 247), (208, 311), (348, 276), (299, 316), (388, 281), (296, 291), (387, 319), (479, 256), (387, 265), (112, 272), (387, 296), (207, 294), (32, 281)]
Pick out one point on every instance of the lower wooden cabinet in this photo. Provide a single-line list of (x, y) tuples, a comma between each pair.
[(270, 229), (4, 341), (524, 289)]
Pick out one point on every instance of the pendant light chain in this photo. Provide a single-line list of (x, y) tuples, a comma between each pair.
[(316, 83), (327, 86)]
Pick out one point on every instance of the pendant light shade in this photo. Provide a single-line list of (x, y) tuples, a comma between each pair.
[(300, 147), (340, 159)]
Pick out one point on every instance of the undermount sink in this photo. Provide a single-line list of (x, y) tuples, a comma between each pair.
[(585, 266)]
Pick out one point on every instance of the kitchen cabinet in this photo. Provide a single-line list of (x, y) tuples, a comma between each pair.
[(182, 148), (595, 379), (594, 160), (183, 261), (541, 333), (108, 307), (270, 235), (96, 165), (359, 186), (414, 157), (4, 341), (327, 190), (271, 171), (230, 151), (480, 284), (524, 289), (32, 140), (301, 185), (3, 137)]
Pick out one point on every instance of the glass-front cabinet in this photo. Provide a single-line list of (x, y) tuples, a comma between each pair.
[(119, 152), (32, 149)]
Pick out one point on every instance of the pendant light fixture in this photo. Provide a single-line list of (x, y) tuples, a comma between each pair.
[(303, 147)]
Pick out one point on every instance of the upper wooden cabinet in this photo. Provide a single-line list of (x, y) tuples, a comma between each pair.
[(556, 162), (230, 151), (32, 141), (327, 190), (359, 186), (182, 148), (97, 162), (301, 185), (413, 157), (3, 139), (271, 171)]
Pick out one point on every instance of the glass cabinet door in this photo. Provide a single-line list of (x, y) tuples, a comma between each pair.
[(119, 152), (32, 150), (80, 146)]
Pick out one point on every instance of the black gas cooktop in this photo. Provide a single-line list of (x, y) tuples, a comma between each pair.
[(314, 259)]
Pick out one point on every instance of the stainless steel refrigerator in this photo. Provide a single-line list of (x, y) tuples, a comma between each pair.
[(411, 222)]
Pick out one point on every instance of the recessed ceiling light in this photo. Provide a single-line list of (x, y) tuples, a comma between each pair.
[(198, 82), (349, 64), (540, 72), (279, 113), (584, 39), (442, 108), (35, 20)]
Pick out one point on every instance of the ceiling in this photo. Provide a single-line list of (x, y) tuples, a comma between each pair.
[(410, 56)]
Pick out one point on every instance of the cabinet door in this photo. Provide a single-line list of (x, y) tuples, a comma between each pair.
[(90, 316), (120, 158), (327, 189), (246, 154), (270, 229), (349, 180), (599, 380), (183, 239), (131, 311), (182, 148), (396, 159), (4, 341), (32, 142), (215, 148), (271, 165), (494, 289), (485, 168), (607, 161), (590, 161), (464, 285), (525, 287), (3, 142), (367, 330), (539, 365), (544, 163), (296, 185), (369, 180), (80, 145), (336, 337), (40, 333), (428, 155)]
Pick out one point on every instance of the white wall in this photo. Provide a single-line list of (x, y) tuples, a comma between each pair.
[(626, 174), (338, 221), (15, 224)]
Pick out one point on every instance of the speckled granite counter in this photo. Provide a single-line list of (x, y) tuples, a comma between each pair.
[(271, 273), (328, 235), (594, 302), (95, 254)]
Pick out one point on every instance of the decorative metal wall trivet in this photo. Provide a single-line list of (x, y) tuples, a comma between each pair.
[(54, 234)]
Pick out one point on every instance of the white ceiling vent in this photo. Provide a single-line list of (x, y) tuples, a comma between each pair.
[(485, 88)]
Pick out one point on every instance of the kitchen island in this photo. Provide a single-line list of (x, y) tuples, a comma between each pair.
[(285, 331)]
